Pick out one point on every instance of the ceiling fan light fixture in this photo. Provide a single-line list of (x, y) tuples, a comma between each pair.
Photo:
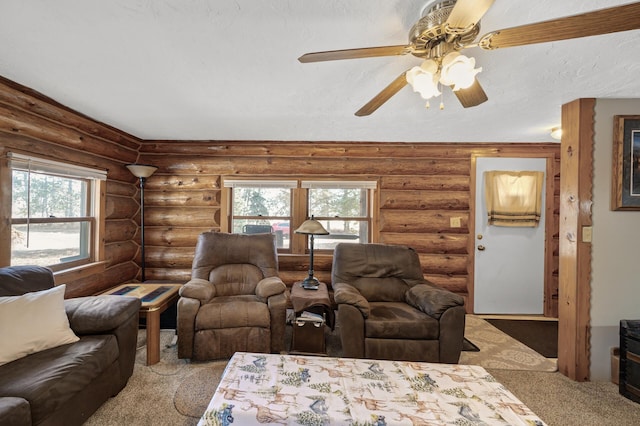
[(556, 133), (424, 79), (458, 71)]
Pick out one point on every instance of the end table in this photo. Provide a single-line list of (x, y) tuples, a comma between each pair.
[(156, 298), (308, 335)]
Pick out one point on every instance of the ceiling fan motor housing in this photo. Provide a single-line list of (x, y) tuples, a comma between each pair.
[(429, 37)]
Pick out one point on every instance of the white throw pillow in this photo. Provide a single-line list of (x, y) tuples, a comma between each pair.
[(32, 323)]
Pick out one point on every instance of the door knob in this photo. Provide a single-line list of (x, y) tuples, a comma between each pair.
[(481, 247)]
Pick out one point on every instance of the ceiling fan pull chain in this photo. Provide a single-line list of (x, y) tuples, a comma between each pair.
[(441, 101)]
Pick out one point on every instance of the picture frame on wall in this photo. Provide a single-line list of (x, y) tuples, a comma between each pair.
[(625, 188)]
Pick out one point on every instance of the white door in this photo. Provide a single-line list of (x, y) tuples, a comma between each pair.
[(509, 262)]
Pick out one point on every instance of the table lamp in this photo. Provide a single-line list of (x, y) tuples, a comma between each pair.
[(311, 227)]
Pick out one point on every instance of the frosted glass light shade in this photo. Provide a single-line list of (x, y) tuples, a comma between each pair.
[(458, 71), (424, 79), (141, 170), (556, 133)]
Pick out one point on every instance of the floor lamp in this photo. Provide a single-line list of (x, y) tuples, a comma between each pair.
[(142, 171), (311, 227)]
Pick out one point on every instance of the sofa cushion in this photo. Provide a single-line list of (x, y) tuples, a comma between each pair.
[(33, 322), (397, 320), (17, 280), (233, 312), (47, 379), (381, 289)]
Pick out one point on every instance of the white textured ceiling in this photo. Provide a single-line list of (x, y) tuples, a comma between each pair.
[(228, 70)]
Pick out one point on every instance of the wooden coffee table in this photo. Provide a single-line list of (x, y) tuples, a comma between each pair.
[(156, 298)]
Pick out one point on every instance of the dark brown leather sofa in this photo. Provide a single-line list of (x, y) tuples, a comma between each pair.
[(235, 300), (387, 310), (66, 384)]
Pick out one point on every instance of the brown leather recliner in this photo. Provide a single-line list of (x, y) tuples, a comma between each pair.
[(235, 300), (387, 310)]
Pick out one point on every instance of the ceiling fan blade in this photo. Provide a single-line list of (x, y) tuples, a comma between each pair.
[(365, 52), (604, 21), (467, 13), (471, 96), (383, 96)]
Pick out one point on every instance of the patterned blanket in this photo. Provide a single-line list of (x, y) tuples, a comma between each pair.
[(308, 390)]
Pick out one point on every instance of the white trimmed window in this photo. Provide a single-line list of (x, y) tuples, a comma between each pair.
[(343, 207), (54, 210)]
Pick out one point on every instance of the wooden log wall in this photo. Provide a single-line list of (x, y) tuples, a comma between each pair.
[(31, 123), (424, 191), (422, 187)]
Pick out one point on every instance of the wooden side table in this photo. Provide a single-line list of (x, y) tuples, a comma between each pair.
[(308, 336), (156, 298)]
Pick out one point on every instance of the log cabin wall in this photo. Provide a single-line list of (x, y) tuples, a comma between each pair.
[(422, 187), (31, 123)]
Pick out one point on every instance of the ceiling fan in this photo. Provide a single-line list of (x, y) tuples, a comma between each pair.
[(450, 26)]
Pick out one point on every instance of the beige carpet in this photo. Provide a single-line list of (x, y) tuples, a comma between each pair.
[(148, 397), (499, 350), (176, 392)]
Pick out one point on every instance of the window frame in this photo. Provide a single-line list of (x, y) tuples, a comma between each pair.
[(94, 206), (367, 185), (230, 184), (300, 204)]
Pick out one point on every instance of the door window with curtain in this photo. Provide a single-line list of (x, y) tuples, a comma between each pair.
[(343, 208), (53, 212)]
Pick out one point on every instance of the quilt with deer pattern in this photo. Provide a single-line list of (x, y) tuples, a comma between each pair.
[(308, 390)]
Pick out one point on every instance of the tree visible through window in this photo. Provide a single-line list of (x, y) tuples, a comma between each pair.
[(52, 213), (343, 207), (259, 207)]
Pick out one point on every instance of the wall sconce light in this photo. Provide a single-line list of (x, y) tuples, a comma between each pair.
[(556, 133), (311, 227), (142, 171)]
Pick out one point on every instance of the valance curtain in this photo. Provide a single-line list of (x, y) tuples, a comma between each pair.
[(513, 198)]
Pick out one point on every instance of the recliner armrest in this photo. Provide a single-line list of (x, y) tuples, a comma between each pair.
[(100, 314), (199, 289), (344, 293), (432, 300), (270, 286)]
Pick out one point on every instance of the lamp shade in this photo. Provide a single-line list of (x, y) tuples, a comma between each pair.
[(424, 79), (311, 227), (458, 71), (141, 170), (556, 133)]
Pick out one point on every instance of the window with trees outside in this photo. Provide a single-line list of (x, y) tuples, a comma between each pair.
[(53, 212), (343, 208)]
